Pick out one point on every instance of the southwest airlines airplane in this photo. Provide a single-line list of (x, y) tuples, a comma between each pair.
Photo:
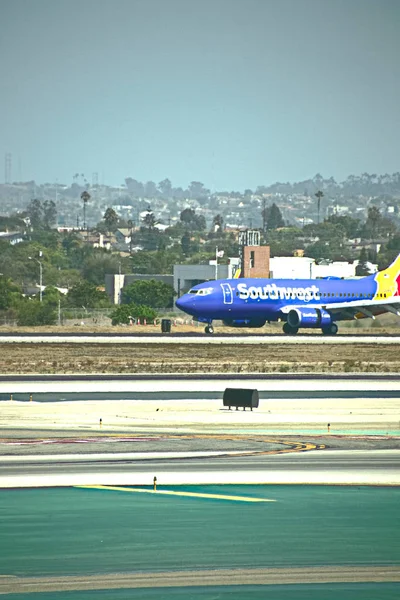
[(308, 303)]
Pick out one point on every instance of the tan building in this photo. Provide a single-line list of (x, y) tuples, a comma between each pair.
[(256, 261)]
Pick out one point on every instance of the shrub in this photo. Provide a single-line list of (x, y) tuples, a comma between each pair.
[(126, 312)]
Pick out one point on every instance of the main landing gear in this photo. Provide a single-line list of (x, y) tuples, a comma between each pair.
[(288, 330), (209, 329), (332, 329)]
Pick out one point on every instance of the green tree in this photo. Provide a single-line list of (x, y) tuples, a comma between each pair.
[(86, 294), (155, 294), (32, 313), (8, 291), (12, 222), (95, 267), (377, 226), (272, 216), (218, 223), (186, 243), (362, 267), (149, 221), (197, 189), (52, 296), (110, 219), (319, 195), (389, 252), (192, 221), (42, 216), (350, 225), (165, 187), (35, 213), (49, 214)]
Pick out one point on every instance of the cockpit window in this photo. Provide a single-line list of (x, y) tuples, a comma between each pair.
[(202, 291)]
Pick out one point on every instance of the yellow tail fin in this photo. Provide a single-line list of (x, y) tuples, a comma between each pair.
[(388, 281)]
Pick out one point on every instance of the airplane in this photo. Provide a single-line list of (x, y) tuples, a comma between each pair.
[(299, 303)]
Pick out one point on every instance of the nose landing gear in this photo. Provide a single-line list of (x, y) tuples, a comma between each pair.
[(209, 329)]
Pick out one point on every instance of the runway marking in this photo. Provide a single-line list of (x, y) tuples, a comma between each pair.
[(289, 447), (171, 493)]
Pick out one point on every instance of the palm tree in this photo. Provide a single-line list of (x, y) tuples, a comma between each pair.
[(85, 197), (319, 195)]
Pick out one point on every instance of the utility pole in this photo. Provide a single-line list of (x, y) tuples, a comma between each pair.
[(218, 254), (130, 225), (40, 275)]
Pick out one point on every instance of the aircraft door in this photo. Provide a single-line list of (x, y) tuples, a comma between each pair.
[(227, 291)]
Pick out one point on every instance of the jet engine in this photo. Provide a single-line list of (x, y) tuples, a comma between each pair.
[(244, 322), (309, 317)]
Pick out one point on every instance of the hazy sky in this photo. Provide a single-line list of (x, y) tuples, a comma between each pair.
[(234, 93)]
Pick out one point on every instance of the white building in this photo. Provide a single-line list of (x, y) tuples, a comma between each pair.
[(303, 267)]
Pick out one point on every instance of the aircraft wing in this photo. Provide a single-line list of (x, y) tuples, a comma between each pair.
[(355, 309)]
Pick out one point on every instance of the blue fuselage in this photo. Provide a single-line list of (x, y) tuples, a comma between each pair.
[(264, 298)]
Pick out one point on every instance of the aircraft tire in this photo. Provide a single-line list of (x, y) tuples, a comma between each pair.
[(209, 329), (331, 330), (287, 330)]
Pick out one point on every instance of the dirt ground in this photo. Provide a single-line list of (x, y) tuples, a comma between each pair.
[(195, 358)]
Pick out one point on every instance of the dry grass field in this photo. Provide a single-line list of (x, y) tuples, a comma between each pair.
[(195, 358)]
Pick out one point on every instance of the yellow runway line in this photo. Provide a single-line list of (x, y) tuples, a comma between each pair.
[(171, 493)]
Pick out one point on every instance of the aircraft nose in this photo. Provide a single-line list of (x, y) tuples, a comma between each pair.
[(180, 303)]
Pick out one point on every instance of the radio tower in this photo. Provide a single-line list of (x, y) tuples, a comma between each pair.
[(7, 168)]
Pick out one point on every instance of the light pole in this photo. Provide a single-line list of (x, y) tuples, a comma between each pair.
[(40, 276)]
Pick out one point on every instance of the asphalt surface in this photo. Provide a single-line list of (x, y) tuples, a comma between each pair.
[(90, 539), (344, 461), (73, 387)]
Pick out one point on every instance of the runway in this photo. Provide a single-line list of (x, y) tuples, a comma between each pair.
[(201, 339), (62, 387), (192, 405), (339, 467)]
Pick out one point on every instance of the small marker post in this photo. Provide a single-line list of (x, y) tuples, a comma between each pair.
[(155, 484)]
